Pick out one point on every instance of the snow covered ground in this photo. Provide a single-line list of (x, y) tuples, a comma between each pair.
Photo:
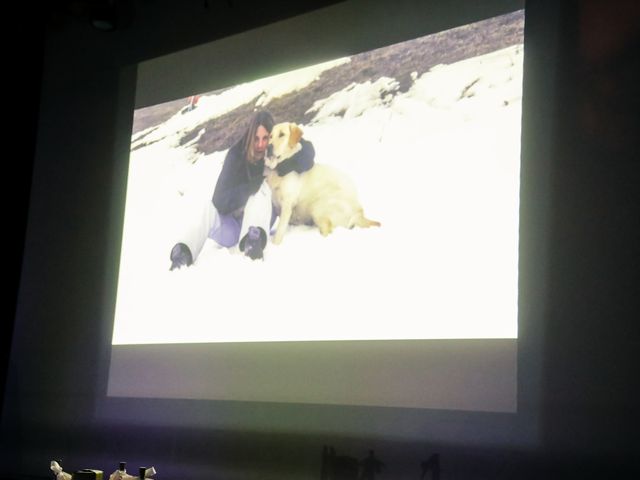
[(437, 165)]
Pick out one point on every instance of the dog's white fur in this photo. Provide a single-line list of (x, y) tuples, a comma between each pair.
[(322, 195)]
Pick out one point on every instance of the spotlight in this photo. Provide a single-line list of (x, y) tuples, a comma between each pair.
[(104, 17)]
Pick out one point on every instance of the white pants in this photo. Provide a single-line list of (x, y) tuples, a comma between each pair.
[(198, 219), (257, 211)]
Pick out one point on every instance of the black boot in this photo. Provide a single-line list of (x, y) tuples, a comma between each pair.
[(180, 256), (253, 243)]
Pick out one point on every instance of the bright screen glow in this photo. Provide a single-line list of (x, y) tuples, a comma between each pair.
[(429, 132)]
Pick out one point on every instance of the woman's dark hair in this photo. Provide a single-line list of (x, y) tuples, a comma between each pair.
[(260, 118)]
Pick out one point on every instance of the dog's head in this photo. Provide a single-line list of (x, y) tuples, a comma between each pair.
[(284, 142)]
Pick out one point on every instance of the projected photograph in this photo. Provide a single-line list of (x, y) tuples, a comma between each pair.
[(370, 197)]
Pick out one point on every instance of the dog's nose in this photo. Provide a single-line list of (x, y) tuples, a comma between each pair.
[(270, 151)]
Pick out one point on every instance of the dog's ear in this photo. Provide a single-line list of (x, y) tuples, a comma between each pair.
[(295, 134)]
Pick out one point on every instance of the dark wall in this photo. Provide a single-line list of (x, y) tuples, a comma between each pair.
[(579, 267), (23, 85), (589, 391)]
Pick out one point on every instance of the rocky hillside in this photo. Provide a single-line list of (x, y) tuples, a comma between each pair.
[(397, 61)]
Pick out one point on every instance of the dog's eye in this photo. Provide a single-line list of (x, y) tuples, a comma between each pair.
[(281, 134)]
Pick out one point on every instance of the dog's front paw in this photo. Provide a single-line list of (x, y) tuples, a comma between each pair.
[(325, 227)]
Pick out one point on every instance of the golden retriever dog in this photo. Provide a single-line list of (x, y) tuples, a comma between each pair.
[(322, 195)]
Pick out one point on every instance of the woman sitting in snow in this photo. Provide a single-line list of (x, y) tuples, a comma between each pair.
[(241, 210)]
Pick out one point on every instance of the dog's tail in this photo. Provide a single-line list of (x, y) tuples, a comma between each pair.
[(363, 222)]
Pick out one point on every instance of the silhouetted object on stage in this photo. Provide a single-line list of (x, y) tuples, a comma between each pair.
[(432, 464), (371, 466), (338, 467), (56, 466)]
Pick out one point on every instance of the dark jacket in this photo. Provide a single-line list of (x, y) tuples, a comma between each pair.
[(240, 179)]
